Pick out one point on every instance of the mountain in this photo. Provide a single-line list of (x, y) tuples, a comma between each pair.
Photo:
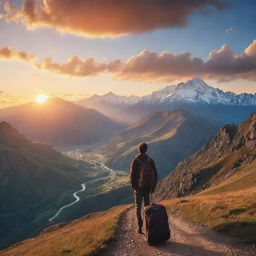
[(230, 154), (59, 122), (33, 178), (172, 136), (194, 96)]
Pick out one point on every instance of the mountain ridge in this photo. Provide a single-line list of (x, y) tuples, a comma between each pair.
[(194, 96), (59, 122), (192, 91), (171, 136), (229, 152)]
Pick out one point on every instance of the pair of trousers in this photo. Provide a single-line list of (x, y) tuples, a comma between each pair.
[(139, 197)]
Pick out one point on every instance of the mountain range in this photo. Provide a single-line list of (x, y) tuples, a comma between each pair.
[(171, 136), (215, 187), (194, 96), (59, 122)]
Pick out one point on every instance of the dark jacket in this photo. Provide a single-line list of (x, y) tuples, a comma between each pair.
[(135, 170)]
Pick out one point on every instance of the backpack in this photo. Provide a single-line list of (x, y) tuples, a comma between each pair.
[(147, 178)]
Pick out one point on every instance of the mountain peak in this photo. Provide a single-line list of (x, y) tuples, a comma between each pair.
[(193, 91)]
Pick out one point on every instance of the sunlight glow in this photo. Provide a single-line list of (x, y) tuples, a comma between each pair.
[(41, 98)]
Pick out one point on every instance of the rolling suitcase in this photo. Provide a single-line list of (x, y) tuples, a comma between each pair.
[(157, 226)]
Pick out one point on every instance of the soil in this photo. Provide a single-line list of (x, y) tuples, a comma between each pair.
[(187, 239)]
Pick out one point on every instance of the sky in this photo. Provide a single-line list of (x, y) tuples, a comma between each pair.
[(74, 49)]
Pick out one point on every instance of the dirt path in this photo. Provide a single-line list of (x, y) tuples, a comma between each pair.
[(186, 240)]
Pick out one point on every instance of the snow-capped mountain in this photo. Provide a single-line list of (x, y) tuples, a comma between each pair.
[(192, 91), (194, 96)]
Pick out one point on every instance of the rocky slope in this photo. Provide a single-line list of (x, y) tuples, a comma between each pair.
[(231, 152), (59, 122), (172, 136)]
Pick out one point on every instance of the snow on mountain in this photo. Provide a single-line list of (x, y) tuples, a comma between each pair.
[(114, 99), (192, 91)]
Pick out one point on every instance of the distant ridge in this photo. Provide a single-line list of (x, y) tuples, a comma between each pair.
[(192, 91), (171, 135), (194, 96)]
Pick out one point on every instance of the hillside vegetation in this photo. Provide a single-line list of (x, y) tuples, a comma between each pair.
[(82, 237), (229, 207), (35, 181), (172, 136)]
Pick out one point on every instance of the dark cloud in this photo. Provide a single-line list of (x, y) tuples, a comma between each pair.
[(101, 18)]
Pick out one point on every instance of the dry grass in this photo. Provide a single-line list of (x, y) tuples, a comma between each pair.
[(233, 212), (82, 237)]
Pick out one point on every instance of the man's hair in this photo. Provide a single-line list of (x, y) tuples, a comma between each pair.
[(143, 147)]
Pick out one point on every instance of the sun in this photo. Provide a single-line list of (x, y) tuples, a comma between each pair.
[(41, 98)]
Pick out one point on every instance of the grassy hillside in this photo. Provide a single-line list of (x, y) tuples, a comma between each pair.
[(229, 207), (82, 237)]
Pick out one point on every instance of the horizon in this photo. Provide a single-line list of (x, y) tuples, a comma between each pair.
[(76, 100)]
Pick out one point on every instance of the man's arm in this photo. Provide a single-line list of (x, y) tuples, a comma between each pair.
[(133, 173), (154, 167)]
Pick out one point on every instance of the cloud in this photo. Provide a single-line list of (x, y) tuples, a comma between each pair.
[(148, 66), (6, 52), (222, 65), (105, 18), (73, 67), (229, 30)]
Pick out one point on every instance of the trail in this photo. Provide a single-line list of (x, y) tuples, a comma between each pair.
[(186, 240), (77, 199)]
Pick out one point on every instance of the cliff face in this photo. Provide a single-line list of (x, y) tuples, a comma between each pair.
[(229, 152)]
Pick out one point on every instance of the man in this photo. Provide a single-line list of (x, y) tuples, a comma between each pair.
[(143, 177)]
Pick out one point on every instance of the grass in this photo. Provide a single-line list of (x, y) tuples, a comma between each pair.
[(82, 237), (233, 213), (240, 181)]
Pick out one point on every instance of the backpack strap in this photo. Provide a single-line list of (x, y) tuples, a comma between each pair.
[(142, 162)]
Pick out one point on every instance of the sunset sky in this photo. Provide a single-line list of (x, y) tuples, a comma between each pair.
[(77, 48)]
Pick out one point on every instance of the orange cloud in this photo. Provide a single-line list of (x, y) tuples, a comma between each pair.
[(73, 67), (222, 65), (8, 53), (106, 18), (251, 49)]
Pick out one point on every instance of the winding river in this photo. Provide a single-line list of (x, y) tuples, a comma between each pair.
[(77, 198)]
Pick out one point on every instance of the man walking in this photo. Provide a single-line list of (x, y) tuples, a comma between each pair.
[(143, 177)]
